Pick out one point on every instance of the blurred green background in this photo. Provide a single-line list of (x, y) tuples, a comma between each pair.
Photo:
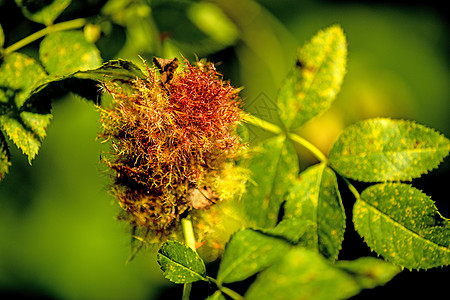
[(58, 235)]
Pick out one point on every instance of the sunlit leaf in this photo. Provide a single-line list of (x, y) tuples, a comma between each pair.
[(291, 230), (66, 52), (369, 272), (82, 83), (247, 253), (314, 81), (403, 225), (180, 264), (18, 75), (302, 274), (273, 169), (315, 198), (387, 150), (44, 12)]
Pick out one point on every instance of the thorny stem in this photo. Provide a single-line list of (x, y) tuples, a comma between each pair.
[(189, 240), (72, 24)]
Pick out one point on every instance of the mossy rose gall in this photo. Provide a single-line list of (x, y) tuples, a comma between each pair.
[(174, 143)]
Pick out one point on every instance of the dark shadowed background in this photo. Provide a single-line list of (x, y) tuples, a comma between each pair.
[(58, 235)]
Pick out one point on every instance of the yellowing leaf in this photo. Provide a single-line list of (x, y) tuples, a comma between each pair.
[(387, 150), (403, 225), (249, 252), (315, 80), (302, 274), (66, 52), (19, 74), (316, 199), (273, 169)]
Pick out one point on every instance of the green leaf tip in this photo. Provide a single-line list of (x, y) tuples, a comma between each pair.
[(180, 263), (369, 272), (314, 81), (402, 224), (383, 149)]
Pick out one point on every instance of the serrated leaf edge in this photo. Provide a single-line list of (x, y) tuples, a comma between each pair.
[(393, 221), (403, 121)]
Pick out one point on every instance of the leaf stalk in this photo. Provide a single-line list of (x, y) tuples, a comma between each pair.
[(229, 292), (294, 137), (189, 240), (72, 24)]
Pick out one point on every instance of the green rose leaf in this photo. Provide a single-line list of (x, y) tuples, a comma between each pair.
[(18, 75), (247, 253), (302, 274), (315, 80), (403, 225), (369, 272), (4, 156), (315, 199), (274, 167), (114, 69), (307, 275), (82, 83), (44, 12), (66, 52), (387, 150), (180, 264), (291, 230)]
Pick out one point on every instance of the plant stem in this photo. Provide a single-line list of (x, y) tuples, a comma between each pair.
[(262, 124), (225, 290), (188, 233), (352, 188), (294, 137), (186, 291), (189, 240), (72, 24), (313, 149)]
